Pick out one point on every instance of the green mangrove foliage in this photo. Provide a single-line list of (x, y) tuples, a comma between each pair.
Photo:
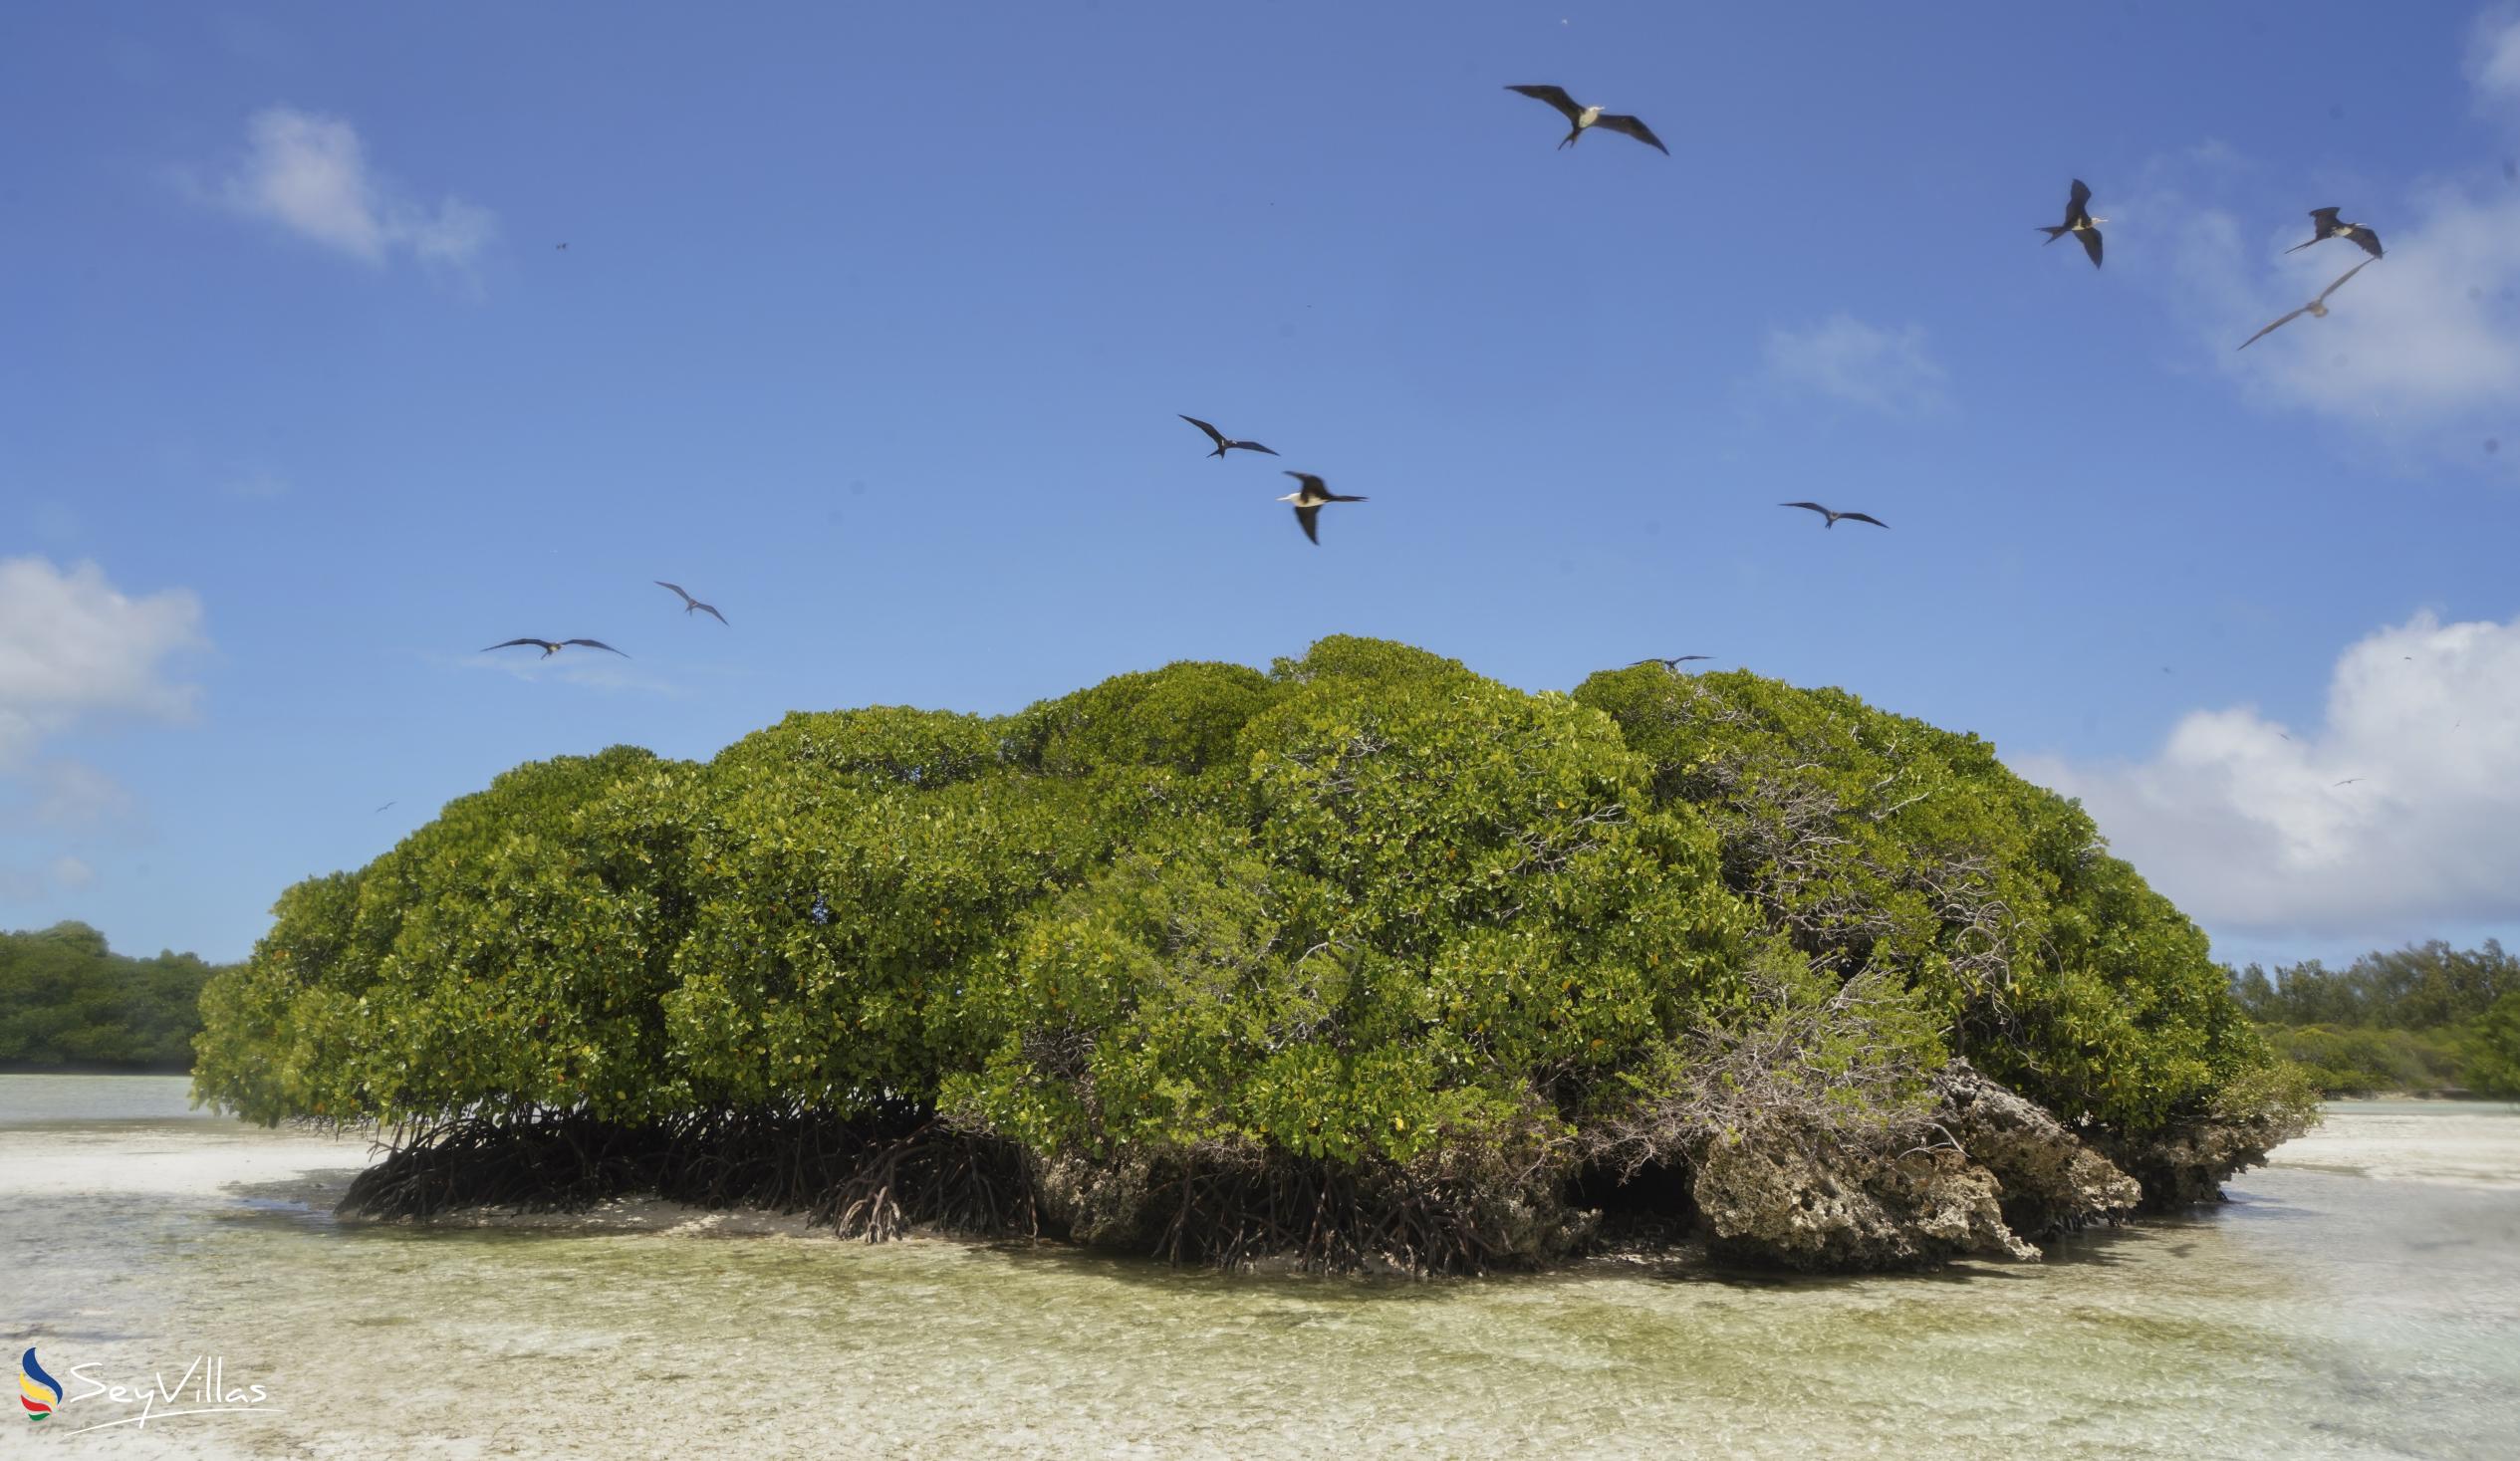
[(1869, 841), (1363, 958), (2425, 1018), (67, 1002)]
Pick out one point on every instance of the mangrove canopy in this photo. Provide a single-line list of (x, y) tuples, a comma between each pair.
[(1366, 960)]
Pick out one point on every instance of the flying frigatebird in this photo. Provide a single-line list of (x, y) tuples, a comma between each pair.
[(2078, 222), (1307, 500), (2317, 309), (1222, 444), (551, 647), (1832, 515), (689, 604), (1586, 117), (2330, 226)]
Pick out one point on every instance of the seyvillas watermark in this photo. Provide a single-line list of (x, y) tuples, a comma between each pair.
[(202, 1390)]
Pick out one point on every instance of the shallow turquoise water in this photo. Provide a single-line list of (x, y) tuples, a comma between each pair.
[(2357, 1299)]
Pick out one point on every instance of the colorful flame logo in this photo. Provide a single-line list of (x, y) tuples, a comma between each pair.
[(38, 1392)]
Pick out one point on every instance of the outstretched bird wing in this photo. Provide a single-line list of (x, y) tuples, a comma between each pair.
[(1312, 485), (1557, 96), (2364, 236), (1212, 433), (544, 645), (594, 644), (1634, 128), (2271, 329), (2091, 243), (2340, 284), (1250, 446), (676, 587), (1857, 517), (2076, 205), (2325, 219), (1308, 514), (711, 611), (1814, 506)]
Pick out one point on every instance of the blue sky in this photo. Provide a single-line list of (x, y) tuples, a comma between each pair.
[(874, 321)]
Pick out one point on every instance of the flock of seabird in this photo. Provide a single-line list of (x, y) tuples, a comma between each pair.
[(2079, 223), (1312, 494), (551, 647)]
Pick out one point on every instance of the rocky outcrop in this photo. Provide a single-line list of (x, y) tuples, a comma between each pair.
[(1818, 1207), (1093, 1202), (2187, 1164), (1986, 1173), (2052, 1181)]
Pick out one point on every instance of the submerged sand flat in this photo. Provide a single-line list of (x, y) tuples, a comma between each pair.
[(2323, 1313), (2466, 1143)]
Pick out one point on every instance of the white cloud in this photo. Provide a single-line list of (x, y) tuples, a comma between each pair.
[(2242, 821), (74, 647), (310, 175), (1886, 371)]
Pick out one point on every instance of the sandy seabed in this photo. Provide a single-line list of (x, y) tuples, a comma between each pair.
[(2357, 1298)]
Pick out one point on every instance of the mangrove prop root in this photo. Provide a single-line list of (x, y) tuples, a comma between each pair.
[(872, 1177), (878, 1175)]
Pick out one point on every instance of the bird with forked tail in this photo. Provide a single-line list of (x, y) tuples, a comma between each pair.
[(2078, 222), (2317, 309), (1833, 514), (1308, 499), (1223, 444), (551, 647), (1579, 117), (689, 604), (2330, 226)]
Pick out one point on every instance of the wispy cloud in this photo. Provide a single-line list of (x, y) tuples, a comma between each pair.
[(310, 175), (1845, 359), (74, 648), (28, 885), (2393, 817), (73, 795), (2493, 62)]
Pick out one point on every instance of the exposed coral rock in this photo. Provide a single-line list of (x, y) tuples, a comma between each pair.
[(2187, 1164), (1842, 1209), (1093, 1202), (2051, 1182)]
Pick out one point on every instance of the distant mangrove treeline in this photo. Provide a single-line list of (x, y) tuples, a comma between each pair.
[(2427, 1017), (68, 1002), (1368, 959)]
